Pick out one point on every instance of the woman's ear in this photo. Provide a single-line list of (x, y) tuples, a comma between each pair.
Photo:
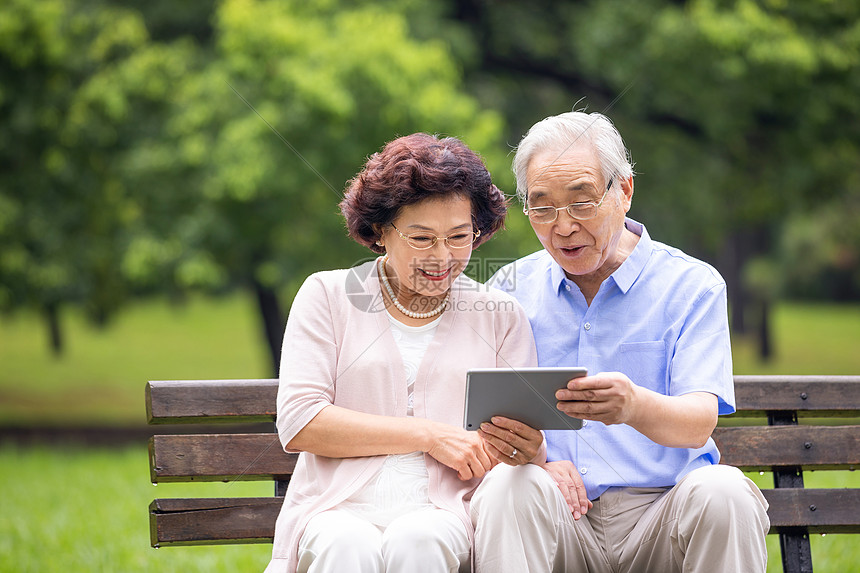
[(377, 228)]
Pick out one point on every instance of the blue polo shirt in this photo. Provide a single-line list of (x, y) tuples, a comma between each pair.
[(661, 319)]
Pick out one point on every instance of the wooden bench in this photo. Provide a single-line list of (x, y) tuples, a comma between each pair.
[(782, 447)]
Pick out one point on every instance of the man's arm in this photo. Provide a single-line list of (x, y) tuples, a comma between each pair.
[(684, 421)]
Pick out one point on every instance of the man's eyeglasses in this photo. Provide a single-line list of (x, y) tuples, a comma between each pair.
[(423, 241), (579, 211)]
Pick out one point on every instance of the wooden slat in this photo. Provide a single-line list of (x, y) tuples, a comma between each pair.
[(809, 395), (835, 510), (218, 457), (189, 401), (203, 521), (213, 521), (195, 401), (759, 448)]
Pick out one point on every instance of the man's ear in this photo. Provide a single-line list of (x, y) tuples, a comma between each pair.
[(627, 192)]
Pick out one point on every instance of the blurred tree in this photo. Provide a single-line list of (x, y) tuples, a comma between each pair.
[(242, 188), (214, 155), (739, 113), (827, 240), (214, 161), (168, 20), (76, 91)]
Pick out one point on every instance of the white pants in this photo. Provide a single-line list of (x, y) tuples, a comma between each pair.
[(714, 520), (429, 540)]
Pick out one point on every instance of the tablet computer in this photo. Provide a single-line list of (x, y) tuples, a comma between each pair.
[(524, 394)]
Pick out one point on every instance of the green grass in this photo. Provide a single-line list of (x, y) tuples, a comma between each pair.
[(809, 338), (65, 510), (100, 378)]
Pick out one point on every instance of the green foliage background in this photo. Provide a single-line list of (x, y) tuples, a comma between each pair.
[(158, 149), (147, 148)]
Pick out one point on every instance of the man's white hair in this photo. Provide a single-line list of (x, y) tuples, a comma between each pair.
[(558, 133)]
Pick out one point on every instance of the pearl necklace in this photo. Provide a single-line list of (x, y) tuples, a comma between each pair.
[(400, 307)]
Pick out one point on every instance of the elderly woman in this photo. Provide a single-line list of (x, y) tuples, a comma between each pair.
[(373, 372)]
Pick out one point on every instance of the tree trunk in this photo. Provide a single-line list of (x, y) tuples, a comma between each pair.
[(55, 334), (731, 263), (739, 248), (272, 322), (765, 349)]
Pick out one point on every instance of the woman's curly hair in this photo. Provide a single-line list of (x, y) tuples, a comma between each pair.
[(415, 167)]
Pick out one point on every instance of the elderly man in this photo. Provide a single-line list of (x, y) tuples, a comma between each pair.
[(639, 487)]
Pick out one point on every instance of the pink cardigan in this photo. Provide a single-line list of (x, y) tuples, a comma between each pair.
[(338, 349)]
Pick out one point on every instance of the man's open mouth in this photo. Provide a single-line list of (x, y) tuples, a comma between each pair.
[(572, 250)]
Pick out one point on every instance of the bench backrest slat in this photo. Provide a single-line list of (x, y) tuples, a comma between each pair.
[(196, 401), (211, 401), (193, 521), (761, 448), (218, 457), (821, 510), (826, 396)]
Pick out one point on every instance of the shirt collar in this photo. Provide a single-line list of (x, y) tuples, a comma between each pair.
[(625, 275), (559, 280)]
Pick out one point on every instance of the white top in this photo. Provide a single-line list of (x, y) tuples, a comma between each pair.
[(400, 486), (412, 341)]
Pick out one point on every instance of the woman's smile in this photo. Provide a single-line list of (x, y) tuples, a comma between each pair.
[(436, 275)]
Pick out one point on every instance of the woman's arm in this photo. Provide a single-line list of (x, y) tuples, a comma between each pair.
[(337, 432)]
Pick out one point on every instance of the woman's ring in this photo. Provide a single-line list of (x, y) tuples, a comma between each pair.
[(513, 453)]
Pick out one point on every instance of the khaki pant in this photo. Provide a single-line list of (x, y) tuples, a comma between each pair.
[(713, 520)]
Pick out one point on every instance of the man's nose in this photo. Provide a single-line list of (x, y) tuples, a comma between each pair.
[(565, 224)]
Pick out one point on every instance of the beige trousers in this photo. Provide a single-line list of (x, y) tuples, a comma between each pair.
[(714, 520)]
